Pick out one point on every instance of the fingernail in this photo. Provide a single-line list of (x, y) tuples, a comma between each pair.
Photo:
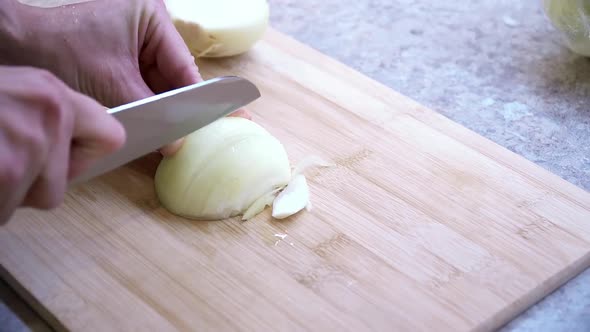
[(171, 148), (242, 113), (195, 69)]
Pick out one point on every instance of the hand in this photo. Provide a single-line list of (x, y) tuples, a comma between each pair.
[(112, 50), (48, 135)]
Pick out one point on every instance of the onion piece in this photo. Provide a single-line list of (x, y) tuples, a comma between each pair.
[(260, 204), (294, 198), (219, 28)]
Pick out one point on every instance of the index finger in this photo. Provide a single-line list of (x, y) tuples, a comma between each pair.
[(96, 133)]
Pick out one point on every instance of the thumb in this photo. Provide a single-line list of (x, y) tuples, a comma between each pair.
[(173, 57), (95, 134), (139, 90)]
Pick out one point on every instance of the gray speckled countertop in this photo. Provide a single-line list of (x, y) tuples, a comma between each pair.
[(494, 66)]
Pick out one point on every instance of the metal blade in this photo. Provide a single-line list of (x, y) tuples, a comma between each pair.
[(159, 120)]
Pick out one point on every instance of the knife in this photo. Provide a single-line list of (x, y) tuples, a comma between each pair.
[(161, 119)]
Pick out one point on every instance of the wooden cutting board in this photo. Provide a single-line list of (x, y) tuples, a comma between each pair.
[(422, 225)]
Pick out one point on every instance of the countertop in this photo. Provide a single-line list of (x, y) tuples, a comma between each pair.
[(495, 66)]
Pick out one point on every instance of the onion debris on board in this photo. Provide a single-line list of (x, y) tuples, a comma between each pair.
[(232, 167)]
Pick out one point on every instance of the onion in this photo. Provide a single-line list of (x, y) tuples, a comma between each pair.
[(293, 199), (231, 167), (572, 19), (219, 28)]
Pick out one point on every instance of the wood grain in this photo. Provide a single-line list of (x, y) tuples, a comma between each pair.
[(422, 225)]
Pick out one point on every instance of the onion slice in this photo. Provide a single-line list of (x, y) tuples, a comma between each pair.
[(294, 198)]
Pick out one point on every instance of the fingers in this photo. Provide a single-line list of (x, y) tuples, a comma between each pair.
[(170, 63), (66, 132), (49, 187), (165, 61), (95, 134), (242, 113), (89, 134), (172, 148), (55, 117), (173, 58)]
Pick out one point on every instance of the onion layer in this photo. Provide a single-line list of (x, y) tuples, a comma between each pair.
[(222, 170)]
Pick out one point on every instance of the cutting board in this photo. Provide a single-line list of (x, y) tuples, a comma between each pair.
[(420, 225)]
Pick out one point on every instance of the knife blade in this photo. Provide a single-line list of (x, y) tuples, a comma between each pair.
[(161, 119)]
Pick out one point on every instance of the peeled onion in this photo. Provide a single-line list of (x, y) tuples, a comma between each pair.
[(221, 170), (219, 28), (231, 167)]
